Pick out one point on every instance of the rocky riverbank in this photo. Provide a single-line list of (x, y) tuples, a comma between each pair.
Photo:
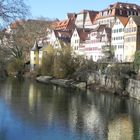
[(61, 82), (97, 82), (94, 82)]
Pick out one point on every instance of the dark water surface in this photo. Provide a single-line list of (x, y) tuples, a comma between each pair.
[(34, 111)]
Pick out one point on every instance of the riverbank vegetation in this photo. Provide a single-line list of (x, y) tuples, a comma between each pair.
[(60, 63)]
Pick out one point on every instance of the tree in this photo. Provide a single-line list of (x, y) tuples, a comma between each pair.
[(65, 63), (23, 34), (16, 66), (137, 61), (13, 9), (108, 52), (18, 42)]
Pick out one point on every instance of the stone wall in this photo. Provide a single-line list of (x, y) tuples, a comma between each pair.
[(133, 88), (109, 82)]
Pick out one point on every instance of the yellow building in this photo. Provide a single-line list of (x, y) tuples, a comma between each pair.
[(131, 38), (34, 56)]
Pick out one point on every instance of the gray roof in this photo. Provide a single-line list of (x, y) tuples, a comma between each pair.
[(36, 47)]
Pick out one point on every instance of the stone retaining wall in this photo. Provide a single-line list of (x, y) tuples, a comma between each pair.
[(133, 88)]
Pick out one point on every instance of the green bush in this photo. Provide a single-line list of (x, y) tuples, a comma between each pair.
[(65, 63), (47, 61), (16, 66)]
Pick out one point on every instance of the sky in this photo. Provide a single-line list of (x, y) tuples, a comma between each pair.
[(59, 8)]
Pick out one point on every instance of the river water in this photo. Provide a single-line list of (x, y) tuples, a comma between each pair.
[(34, 111)]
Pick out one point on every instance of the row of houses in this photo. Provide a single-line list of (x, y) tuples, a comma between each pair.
[(88, 32)]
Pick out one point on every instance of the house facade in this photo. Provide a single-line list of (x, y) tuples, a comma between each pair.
[(117, 39), (98, 38), (78, 40), (131, 38), (75, 40)]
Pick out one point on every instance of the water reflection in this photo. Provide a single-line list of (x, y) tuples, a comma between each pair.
[(37, 111), (120, 128)]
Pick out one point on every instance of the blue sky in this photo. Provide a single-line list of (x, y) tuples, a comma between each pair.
[(59, 8)]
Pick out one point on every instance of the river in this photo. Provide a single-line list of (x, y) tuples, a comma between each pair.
[(35, 111)]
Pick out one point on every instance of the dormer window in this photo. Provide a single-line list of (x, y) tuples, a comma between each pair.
[(108, 12), (127, 13), (134, 7), (127, 7), (102, 13)]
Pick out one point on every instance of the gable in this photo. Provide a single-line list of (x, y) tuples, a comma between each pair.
[(131, 23), (53, 36), (118, 24), (75, 34), (88, 20)]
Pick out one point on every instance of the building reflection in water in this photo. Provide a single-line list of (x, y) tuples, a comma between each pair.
[(34, 97), (84, 115)]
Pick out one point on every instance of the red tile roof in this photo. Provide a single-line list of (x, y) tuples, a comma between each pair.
[(63, 25), (83, 33), (93, 15), (63, 33), (113, 9), (123, 20)]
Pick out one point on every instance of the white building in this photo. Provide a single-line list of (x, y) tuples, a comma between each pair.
[(78, 40), (118, 38), (98, 38)]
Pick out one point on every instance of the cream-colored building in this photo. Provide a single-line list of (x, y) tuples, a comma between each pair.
[(131, 38)]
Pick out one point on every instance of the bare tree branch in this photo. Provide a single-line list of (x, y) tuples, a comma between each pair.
[(13, 9)]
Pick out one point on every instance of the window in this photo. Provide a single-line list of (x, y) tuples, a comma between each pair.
[(120, 46), (135, 29), (45, 53), (120, 12), (121, 57), (115, 47), (127, 13), (120, 30)]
